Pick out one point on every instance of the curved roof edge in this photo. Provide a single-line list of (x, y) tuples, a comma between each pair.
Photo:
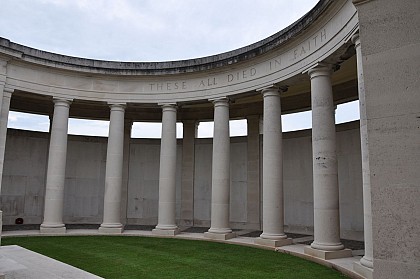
[(168, 67)]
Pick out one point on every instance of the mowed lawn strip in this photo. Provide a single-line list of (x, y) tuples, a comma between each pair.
[(145, 257)]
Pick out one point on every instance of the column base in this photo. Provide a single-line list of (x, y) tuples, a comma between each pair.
[(363, 270), (52, 230), (366, 262), (272, 242), (328, 255), (171, 232), (220, 236), (110, 230)]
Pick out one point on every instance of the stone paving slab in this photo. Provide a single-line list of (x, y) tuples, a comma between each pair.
[(17, 263)]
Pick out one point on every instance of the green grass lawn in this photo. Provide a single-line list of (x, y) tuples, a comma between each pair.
[(144, 257)]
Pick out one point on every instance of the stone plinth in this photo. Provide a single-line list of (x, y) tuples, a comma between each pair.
[(45, 229), (273, 242), (171, 232), (220, 236), (111, 230), (328, 255)]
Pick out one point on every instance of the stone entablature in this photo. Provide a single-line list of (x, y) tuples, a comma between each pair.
[(321, 35)]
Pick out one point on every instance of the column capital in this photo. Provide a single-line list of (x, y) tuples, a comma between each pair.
[(117, 106), (62, 102), (8, 91), (356, 40), (272, 89), (321, 69), (223, 101), (169, 107)]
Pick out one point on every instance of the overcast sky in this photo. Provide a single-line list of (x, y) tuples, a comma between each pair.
[(148, 30)]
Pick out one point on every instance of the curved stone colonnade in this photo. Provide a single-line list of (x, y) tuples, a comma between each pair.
[(294, 67), (316, 63)]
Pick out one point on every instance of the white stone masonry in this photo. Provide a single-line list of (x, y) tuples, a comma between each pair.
[(367, 260), (220, 185), (167, 173), (325, 168), (113, 173), (273, 208), (56, 170)]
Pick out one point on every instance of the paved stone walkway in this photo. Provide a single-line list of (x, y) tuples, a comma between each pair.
[(19, 263)]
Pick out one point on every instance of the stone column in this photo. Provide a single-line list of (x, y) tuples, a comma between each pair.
[(128, 124), (253, 176), (273, 216), (113, 172), (5, 96), (367, 260), (220, 184), (56, 170), (392, 100), (187, 184), (4, 92), (1, 227), (326, 242), (167, 174), (3, 78)]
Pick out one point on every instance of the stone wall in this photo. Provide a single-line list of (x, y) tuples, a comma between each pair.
[(25, 168), (390, 45)]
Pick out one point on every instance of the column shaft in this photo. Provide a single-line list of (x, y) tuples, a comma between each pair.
[(187, 183), (1, 227), (325, 176), (273, 212), (272, 167), (167, 173), (128, 124), (5, 97), (56, 170), (113, 172), (367, 259), (253, 169), (220, 185)]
